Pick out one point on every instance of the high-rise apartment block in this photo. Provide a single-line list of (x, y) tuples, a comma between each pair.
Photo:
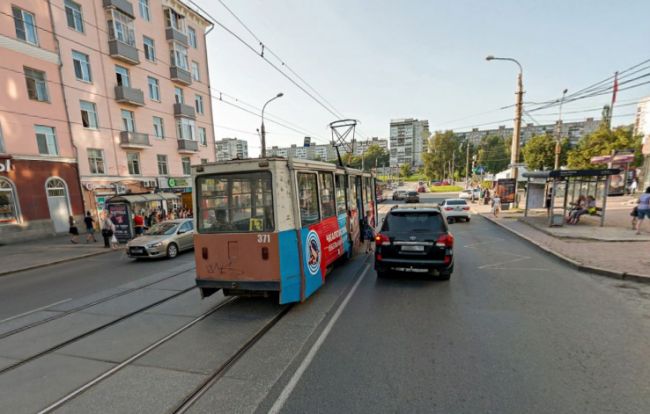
[(408, 139), (362, 146), (99, 97), (642, 127), (231, 148)]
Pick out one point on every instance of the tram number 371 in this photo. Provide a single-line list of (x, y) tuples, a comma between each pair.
[(264, 238)]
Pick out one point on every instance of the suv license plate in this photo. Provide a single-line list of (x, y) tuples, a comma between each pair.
[(413, 248)]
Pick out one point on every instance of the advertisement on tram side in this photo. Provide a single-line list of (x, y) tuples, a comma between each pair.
[(322, 244)]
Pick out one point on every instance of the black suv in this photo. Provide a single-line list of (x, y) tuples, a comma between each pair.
[(415, 239)]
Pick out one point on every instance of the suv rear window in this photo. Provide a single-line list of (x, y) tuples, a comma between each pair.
[(413, 221), (456, 202)]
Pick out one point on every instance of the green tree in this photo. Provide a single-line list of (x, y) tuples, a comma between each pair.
[(405, 170), (539, 152), (442, 149), (604, 142), (493, 153), (375, 155)]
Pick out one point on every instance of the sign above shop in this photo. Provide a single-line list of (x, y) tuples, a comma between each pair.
[(5, 166), (178, 182)]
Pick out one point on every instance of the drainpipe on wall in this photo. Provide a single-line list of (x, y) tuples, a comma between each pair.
[(67, 114), (205, 53)]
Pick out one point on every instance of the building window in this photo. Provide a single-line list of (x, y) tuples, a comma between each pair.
[(158, 127), (74, 16), (144, 10), (128, 120), (36, 84), (162, 164), (154, 89), (198, 104), (46, 140), (2, 142), (191, 36), (178, 56), (89, 115), (121, 27), (203, 137), (187, 166), (8, 202), (96, 161), (149, 48), (81, 64), (204, 160), (122, 75), (174, 20), (179, 97), (133, 161), (195, 71), (25, 24), (185, 129)]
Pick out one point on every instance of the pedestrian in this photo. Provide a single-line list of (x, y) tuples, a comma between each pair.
[(152, 218), (114, 242), (107, 230), (138, 224), (74, 231), (90, 227), (496, 204), (643, 209), (633, 186), (368, 233), (635, 216)]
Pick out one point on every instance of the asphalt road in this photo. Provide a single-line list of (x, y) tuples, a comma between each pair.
[(513, 331), (33, 289)]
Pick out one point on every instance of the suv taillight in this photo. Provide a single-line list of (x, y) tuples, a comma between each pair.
[(446, 240), (382, 240)]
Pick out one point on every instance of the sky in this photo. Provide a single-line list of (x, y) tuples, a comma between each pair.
[(383, 59)]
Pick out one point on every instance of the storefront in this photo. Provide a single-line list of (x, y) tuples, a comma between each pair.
[(37, 197), (178, 185), (124, 207)]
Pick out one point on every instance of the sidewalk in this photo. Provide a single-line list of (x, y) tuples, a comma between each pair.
[(614, 250), (52, 250)]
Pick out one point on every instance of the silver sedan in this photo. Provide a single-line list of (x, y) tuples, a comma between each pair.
[(164, 239)]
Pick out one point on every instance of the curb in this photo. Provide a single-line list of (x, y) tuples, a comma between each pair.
[(573, 263), (53, 262), (568, 238)]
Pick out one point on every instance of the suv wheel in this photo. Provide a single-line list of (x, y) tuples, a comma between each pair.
[(444, 275), (381, 274)]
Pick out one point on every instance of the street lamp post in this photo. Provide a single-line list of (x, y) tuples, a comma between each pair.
[(514, 153), (558, 137), (263, 131)]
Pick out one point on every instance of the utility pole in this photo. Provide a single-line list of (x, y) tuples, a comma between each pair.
[(558, 136), (263, 130), (467, 165)]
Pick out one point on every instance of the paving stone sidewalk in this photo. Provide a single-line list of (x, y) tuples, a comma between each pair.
[(47, 251), (623, 255)]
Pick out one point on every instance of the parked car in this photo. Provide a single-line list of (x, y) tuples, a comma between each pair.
[(467, 194), (412, 197), (415, 239), (455, 209), (164, 239), (399, 195)]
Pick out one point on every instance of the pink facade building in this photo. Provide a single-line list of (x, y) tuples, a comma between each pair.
[(128, 102)]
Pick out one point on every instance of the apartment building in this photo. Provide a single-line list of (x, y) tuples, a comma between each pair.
[(323, 152), (136, 83), (39, 184), (642, 127), (407, 141), (362, 146), (98, 98), (231, 148)]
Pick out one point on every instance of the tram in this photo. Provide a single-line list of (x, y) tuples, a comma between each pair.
[(275, 226)]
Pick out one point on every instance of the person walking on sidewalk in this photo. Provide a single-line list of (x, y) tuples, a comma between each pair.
[(74, 231), (138, 222), (107, 230), (633, 186), (90, 227), (368, 233), (643, 209), (496, 204)]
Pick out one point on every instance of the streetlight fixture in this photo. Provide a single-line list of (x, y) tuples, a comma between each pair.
[(263, 131), (514, 153), (558, 146)]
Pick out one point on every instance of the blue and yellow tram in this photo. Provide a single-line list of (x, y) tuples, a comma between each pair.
[(275, 226)]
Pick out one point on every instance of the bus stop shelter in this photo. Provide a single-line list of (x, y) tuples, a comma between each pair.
[(561, 188)]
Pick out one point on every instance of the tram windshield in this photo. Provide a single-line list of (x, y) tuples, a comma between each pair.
[(235, 203)]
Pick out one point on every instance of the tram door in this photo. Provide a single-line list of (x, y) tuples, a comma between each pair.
[(359, 187)]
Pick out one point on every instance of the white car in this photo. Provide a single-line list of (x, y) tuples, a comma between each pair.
[(467, 194), (455, 209)]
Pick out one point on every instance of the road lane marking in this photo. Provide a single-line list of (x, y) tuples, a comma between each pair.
[(35, 310), (517, 259), (288, 389)]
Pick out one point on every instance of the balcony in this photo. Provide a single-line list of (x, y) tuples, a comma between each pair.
[(180, 75), (176, 35), (134, 140), (124, 52), (184, 110), (131, 96), (124, 6), (187, 146)]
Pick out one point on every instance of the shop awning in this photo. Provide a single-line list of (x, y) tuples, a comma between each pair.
[(142, 198)]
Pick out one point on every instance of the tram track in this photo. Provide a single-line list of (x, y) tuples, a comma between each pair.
[(86, 306)]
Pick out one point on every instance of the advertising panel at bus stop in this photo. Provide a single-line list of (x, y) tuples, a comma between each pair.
[(506, 190)]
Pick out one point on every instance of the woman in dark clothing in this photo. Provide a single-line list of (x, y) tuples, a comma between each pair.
[(74, 231)]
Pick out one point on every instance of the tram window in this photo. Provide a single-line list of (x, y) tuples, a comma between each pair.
[(235, 203), (352, 195), (340, 194), (308, 199), (327, 202)]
